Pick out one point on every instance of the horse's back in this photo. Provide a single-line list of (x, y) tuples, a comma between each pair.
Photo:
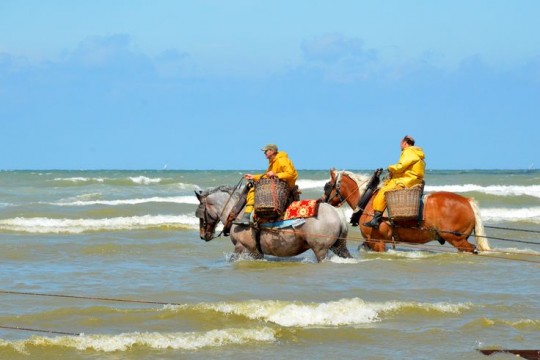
[(447, 210), (444, 199)]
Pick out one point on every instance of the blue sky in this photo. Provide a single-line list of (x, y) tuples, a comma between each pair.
[(205, 84)]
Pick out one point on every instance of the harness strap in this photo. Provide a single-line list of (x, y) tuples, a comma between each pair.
[(226, 229)]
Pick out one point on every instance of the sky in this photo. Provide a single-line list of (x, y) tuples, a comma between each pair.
[(155, 84)]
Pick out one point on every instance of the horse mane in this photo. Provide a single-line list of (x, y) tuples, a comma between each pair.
[(223, 188), (361, 180)]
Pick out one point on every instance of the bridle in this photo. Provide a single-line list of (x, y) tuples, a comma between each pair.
[(206, 222), (330, 187)]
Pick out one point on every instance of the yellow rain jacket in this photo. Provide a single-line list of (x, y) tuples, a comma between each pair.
[(410, 168), (407, 172), (283, 168)]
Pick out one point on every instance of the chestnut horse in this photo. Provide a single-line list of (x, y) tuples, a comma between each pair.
[(446, 216)]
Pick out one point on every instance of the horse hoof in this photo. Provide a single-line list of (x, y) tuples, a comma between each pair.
[(475, 251)]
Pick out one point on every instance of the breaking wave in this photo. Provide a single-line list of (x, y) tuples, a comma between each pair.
[(498, 190), (156, 199), (531, 214), (151, 340), (348, 312), (43, 225)]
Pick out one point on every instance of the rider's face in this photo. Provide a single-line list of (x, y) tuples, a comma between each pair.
[(269, 154), (403, 144)]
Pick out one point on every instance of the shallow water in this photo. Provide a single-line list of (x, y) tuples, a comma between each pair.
[(114, 238)]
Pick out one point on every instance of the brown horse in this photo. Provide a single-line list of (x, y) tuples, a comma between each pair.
[(445, 217)]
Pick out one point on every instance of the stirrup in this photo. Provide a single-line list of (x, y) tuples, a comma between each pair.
[(375, 220), (244, 220), (373, 223)]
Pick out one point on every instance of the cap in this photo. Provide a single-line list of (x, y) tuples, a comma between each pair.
[(272, 147)]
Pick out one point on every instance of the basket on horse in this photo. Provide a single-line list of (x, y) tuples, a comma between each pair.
[(271, 195), (404, 204)]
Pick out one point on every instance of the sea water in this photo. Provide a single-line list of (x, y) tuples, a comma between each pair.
[(109, 264)]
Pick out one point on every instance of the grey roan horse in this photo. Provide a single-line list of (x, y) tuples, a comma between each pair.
[(327, 231)]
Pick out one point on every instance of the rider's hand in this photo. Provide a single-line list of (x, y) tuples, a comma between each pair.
[(270, 174), (248, 176)]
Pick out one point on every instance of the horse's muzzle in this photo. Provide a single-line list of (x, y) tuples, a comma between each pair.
[(206, 237)]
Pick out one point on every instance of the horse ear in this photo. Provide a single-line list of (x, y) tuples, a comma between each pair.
[(198, 194)]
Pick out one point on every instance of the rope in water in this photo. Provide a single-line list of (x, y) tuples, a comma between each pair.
[(88, 297), (10, 327), (40, 330), (513, 229)]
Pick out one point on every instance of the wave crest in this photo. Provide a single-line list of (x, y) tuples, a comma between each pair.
[(347, 312), (75, 226), (154, 340)]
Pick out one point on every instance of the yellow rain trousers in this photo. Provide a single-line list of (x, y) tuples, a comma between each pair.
[(283, 168), (407, 172)]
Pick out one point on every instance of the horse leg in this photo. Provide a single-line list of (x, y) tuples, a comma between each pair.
[(340, 249), (374, 245), (242, 250), (320, 254), (461, 244), (378, 246)]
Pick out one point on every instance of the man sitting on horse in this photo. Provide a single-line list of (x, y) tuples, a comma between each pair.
[(279, 166), (407, 172)]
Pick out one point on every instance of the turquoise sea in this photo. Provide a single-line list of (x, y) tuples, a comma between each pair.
[(109, 265)]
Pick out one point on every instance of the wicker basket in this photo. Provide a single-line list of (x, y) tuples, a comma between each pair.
[(270, 198), (404, 203)]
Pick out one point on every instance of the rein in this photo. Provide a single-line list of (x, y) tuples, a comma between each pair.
[(225, 206), (337, 187), (206, 218)]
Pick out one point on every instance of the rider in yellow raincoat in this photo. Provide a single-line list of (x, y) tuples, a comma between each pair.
[(280, 166), (407, 172)]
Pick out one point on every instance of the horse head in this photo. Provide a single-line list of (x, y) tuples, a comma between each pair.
[(345, 186), (212, 204), (208, 216), (332, 189)]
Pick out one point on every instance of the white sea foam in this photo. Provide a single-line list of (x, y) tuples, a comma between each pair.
[(530, 214), (524, 251), (152, 340), (311, 184), (143, 180), (348, 312), (74, 226), (171, 199), (498, 190), (139, 180), (339, 260), (79, 179)]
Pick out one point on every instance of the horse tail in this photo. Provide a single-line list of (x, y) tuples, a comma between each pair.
[(479, 231)]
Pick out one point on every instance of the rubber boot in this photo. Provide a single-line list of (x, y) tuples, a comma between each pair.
[(374, 223), (244, 220)]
